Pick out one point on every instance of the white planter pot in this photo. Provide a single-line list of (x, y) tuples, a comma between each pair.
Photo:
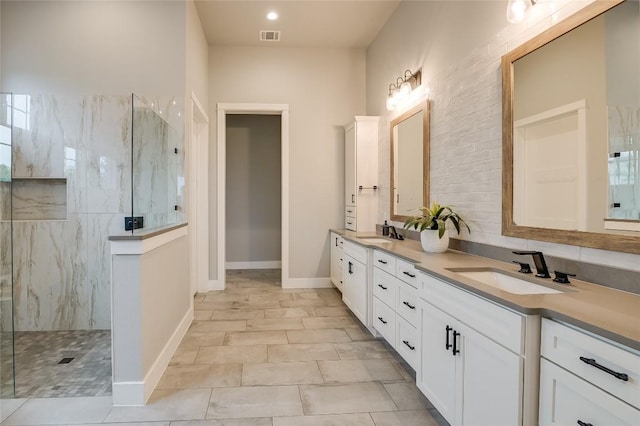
[(431, 243)]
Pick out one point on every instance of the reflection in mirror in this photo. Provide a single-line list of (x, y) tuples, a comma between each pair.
[(571, 129), (410, 162)]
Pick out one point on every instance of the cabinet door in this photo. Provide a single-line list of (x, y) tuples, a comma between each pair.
[(436, 378), (336, 261), (354, 294), (566, 399), (491, 387), (350, 166)]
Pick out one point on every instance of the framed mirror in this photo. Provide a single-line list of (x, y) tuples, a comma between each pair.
[(409, 162), (571, 131)]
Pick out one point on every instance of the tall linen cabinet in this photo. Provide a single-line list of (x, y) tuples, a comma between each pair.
[(361, 186)]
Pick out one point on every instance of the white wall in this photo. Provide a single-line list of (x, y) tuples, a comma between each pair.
[(196, 57), (324, 88), (93, 47), (459, 46), (253, 191)]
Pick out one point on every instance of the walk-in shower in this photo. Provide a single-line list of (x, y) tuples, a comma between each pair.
[(72, 169)]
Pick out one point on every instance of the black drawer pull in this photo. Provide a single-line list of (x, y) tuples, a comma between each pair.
[(409, 305), (336, 241), (382, 320), (349, 211), (592, 362), (455, 343), (581, 423), (382, 287), (350, 269), (447, 344), (382, 261), (413, 348), (409, 274), (349, 223)]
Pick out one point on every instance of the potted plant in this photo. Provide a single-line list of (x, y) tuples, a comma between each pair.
[(434, 236)]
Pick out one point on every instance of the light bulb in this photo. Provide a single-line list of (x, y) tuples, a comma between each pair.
[(405, 89), (272, 16), (517, 10), (390, 103)]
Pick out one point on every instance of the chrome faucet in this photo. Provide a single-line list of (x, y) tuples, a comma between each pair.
[(538, 259)]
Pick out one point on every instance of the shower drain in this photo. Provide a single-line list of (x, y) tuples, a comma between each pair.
[(65, 360)]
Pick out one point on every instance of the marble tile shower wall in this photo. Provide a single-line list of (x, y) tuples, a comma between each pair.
[(466, 140), (61, 267)]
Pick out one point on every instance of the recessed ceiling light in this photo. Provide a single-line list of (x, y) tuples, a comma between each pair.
[(272, 16)]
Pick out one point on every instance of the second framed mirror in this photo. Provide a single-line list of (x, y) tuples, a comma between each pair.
[(409, 136)]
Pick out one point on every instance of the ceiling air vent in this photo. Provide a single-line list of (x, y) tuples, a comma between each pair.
[(269, 35)]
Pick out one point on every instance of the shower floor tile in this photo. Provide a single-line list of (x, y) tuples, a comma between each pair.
[(40, 373)]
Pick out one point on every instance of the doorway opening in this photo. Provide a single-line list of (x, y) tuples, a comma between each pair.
[(253, 194)]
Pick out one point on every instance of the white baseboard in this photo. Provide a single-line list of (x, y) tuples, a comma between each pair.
[(137, 393), (213, 285), (306, 283), (266, 264)]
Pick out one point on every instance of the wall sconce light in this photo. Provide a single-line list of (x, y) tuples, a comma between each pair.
[(402, 88), (517, 10)]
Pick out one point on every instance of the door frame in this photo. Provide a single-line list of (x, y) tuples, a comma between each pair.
[(198, 196), (257, 109)]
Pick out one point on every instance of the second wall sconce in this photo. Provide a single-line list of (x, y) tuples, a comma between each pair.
[(517, 10), (402, 88)]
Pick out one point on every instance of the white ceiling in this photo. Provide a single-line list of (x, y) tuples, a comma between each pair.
[(303, 23)]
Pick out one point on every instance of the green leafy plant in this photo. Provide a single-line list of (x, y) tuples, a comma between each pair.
[(436, 218)]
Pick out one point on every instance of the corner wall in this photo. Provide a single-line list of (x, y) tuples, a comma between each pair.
[(459, 46)]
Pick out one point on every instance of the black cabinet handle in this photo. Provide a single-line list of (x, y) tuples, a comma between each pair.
[(353, 198), (336, 241), (409, 274), (455, 343), (382, 320), (349, 211), (413, 348), (448, 345), (350, 270), (410, 306), (382, 287), (382, 261), (592, 362), (349, 223), (581, 423)]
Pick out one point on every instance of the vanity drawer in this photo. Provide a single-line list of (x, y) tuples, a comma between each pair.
[(384, 261), (407, 273), (407, 342), (350, 211), (565, 399), (356, 251), (581, 354), (385, 287), (350, 223), (406, 305), (384, 320), (505, 326)]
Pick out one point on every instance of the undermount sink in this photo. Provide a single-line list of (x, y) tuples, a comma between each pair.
[(375, 240), (503, 281)]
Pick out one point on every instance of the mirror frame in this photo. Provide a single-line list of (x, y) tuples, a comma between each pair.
[(607, 241), (424, 107)]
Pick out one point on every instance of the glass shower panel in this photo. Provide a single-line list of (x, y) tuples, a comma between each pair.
[(7, 358), (156, 167)]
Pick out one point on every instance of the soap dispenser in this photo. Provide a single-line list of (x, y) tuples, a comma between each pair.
[(385, 229)]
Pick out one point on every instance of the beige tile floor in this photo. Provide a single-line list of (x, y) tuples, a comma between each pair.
[(258, 354)]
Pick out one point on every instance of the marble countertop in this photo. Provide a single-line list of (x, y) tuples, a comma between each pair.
[(611, 313)]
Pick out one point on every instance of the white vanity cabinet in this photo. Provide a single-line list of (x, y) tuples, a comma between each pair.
[(395, 307), (587, 380), (354, 276), (472, 356), (336, 260), (361, 174)]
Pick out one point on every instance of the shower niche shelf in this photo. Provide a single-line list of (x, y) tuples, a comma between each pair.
[(39, 198)]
